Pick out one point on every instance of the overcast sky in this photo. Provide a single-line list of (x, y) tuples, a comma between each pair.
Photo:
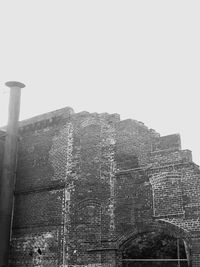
[(140, 59)]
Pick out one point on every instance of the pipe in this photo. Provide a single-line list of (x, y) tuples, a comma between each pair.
[(7, 181)]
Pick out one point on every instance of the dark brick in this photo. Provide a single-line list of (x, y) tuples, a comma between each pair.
[(86, 183)]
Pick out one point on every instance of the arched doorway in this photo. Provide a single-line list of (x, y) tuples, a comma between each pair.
[(154, 248), (158, 243)]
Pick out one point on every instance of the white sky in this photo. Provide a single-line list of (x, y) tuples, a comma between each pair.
[(140, 59)]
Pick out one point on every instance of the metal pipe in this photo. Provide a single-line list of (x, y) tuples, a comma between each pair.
[(7, 181), (152, 260), (178, 252)]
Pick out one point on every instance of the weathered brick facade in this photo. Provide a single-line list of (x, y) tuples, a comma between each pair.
[(86, 183)]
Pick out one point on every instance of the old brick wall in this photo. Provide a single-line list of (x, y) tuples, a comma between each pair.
[(169, 191), (37, 238), (64, 190), (134, 143), (84, 180)]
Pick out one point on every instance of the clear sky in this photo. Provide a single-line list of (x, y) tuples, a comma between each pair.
[(140, 59)]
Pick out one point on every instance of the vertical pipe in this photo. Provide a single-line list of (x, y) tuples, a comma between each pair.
[(178, 252), (7, 181)]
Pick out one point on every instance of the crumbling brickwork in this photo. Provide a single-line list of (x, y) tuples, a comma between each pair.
[(87, 182)]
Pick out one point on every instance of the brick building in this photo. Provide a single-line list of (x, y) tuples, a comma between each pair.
[(92, 190)]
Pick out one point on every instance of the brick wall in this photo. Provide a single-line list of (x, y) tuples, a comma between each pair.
[(167, 194), (84, 180)]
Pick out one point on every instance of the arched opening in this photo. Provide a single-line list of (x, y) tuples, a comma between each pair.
[(155, 248)]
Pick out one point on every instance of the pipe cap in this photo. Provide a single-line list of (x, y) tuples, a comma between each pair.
[(15, 84)]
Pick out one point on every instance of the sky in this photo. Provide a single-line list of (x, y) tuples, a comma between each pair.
[(140, 59)]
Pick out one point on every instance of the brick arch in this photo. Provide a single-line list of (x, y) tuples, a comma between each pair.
[(90, 121), (87, 201), (86, 227), (159, 226), (84, 124)]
